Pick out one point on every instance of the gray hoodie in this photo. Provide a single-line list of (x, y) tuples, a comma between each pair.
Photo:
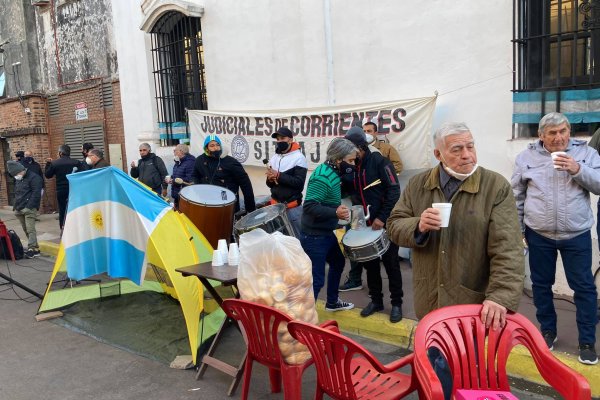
[(554, 203)]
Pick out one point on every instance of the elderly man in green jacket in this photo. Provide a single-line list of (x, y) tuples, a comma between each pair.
[(478, 258)]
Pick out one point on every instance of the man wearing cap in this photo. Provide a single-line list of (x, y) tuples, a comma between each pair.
[(374, 183), (150, 170), (28, 189), (286, 174), (215, 168)]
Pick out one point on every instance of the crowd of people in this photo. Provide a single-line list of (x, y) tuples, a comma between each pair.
[(477, 258)]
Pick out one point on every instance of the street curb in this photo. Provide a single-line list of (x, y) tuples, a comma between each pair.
[(378, 327), (48, 248)]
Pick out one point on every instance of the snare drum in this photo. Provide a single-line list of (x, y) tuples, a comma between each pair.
[(211, 209), (270, 219), (365, 244)]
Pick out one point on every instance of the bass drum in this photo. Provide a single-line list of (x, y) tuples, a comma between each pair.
[(270, 219), (211, 209), (365, 244)]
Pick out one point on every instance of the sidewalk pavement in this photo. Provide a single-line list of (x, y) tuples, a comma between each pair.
[(377, 327)]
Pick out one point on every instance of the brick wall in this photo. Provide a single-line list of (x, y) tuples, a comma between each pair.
[(42, 134)]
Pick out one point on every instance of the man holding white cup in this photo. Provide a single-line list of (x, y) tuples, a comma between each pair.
[(478, 258), (552, 181)]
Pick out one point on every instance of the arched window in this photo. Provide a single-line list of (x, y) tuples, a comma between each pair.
[(178, 67)]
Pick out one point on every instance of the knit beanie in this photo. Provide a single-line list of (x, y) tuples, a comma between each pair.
[(14, 167), (357, 136), (210, 138)]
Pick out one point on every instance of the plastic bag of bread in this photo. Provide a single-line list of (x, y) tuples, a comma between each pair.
[(274, 271)]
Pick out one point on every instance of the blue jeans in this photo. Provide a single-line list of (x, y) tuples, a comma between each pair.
[(576, 254), (441, 369), (321, 249)]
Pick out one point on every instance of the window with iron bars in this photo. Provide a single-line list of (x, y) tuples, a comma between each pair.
[(556, 47), (179, 79)]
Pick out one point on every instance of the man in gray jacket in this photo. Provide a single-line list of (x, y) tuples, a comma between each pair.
[(150, 170), (552, 181), (28, 190)]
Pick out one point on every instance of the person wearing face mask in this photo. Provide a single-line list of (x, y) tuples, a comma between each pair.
[(95, 159), (322, 211), (286, 174), (215, 168), (362, 185), (551, 182), (382, 144), (30, 164), (85, 150), (183, 169), (150, 170), (28, 188), (478, 258)]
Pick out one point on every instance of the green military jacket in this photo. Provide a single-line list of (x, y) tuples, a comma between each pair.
[(478, 257)]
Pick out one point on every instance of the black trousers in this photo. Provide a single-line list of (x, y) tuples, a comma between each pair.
[(391, 263), (62, 197)]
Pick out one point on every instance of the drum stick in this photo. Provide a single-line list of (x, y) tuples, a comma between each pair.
[(180, 181), (266, 162), (374, 183)]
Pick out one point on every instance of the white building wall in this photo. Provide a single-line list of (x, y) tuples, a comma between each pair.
[(269, 54)]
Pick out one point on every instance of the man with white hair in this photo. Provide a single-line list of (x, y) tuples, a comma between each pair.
[(150, 170), (478, 258), (552, 181)]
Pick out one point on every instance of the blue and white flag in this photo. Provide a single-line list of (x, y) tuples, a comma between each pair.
[(109, 220)]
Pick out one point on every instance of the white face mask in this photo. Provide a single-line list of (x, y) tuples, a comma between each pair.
[(458, 175), (176, 159), (19, 177), (88, 161)]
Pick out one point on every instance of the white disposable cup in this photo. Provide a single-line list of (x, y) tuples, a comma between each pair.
[(233, 257), (222, 247), (445, 209), (167, 178), (554, 155), (217, 258)]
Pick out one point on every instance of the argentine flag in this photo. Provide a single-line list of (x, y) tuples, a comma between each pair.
[(110, 218)]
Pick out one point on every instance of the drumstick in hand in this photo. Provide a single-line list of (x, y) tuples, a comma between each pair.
[(266, 162), (180, 181)]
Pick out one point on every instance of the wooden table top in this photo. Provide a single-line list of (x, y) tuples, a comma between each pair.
[(227, 274)]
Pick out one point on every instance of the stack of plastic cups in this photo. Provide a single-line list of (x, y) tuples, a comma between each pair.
[(233, 258), (217, 258), (222, 248)]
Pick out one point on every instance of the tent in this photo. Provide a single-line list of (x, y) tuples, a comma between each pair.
[(127, 236)]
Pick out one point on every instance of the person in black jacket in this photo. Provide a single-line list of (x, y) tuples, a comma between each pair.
[(85, 151), (215, 168), (28, 190), (60, 168), (30, 164), (382, 197), (286, 174), (150, 170)]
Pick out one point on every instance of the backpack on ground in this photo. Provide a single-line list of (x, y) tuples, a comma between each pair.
[(16, 245)]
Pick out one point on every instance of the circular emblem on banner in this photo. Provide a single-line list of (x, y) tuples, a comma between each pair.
[(240, 149)]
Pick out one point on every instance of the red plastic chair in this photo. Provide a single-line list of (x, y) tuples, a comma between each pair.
[(347, 371), (4, 234), (260, 326), (477, 356)]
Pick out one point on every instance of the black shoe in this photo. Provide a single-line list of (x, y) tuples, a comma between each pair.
[(550, 339), (339, 306), (371, 309), (31, 253), (587, 354), (346, 287), (396, 314)]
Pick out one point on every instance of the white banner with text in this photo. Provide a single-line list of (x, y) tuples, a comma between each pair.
[(247, 135)]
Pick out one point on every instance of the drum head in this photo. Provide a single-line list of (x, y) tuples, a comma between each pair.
[(361, 237), (208, 195), (259, 217)]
